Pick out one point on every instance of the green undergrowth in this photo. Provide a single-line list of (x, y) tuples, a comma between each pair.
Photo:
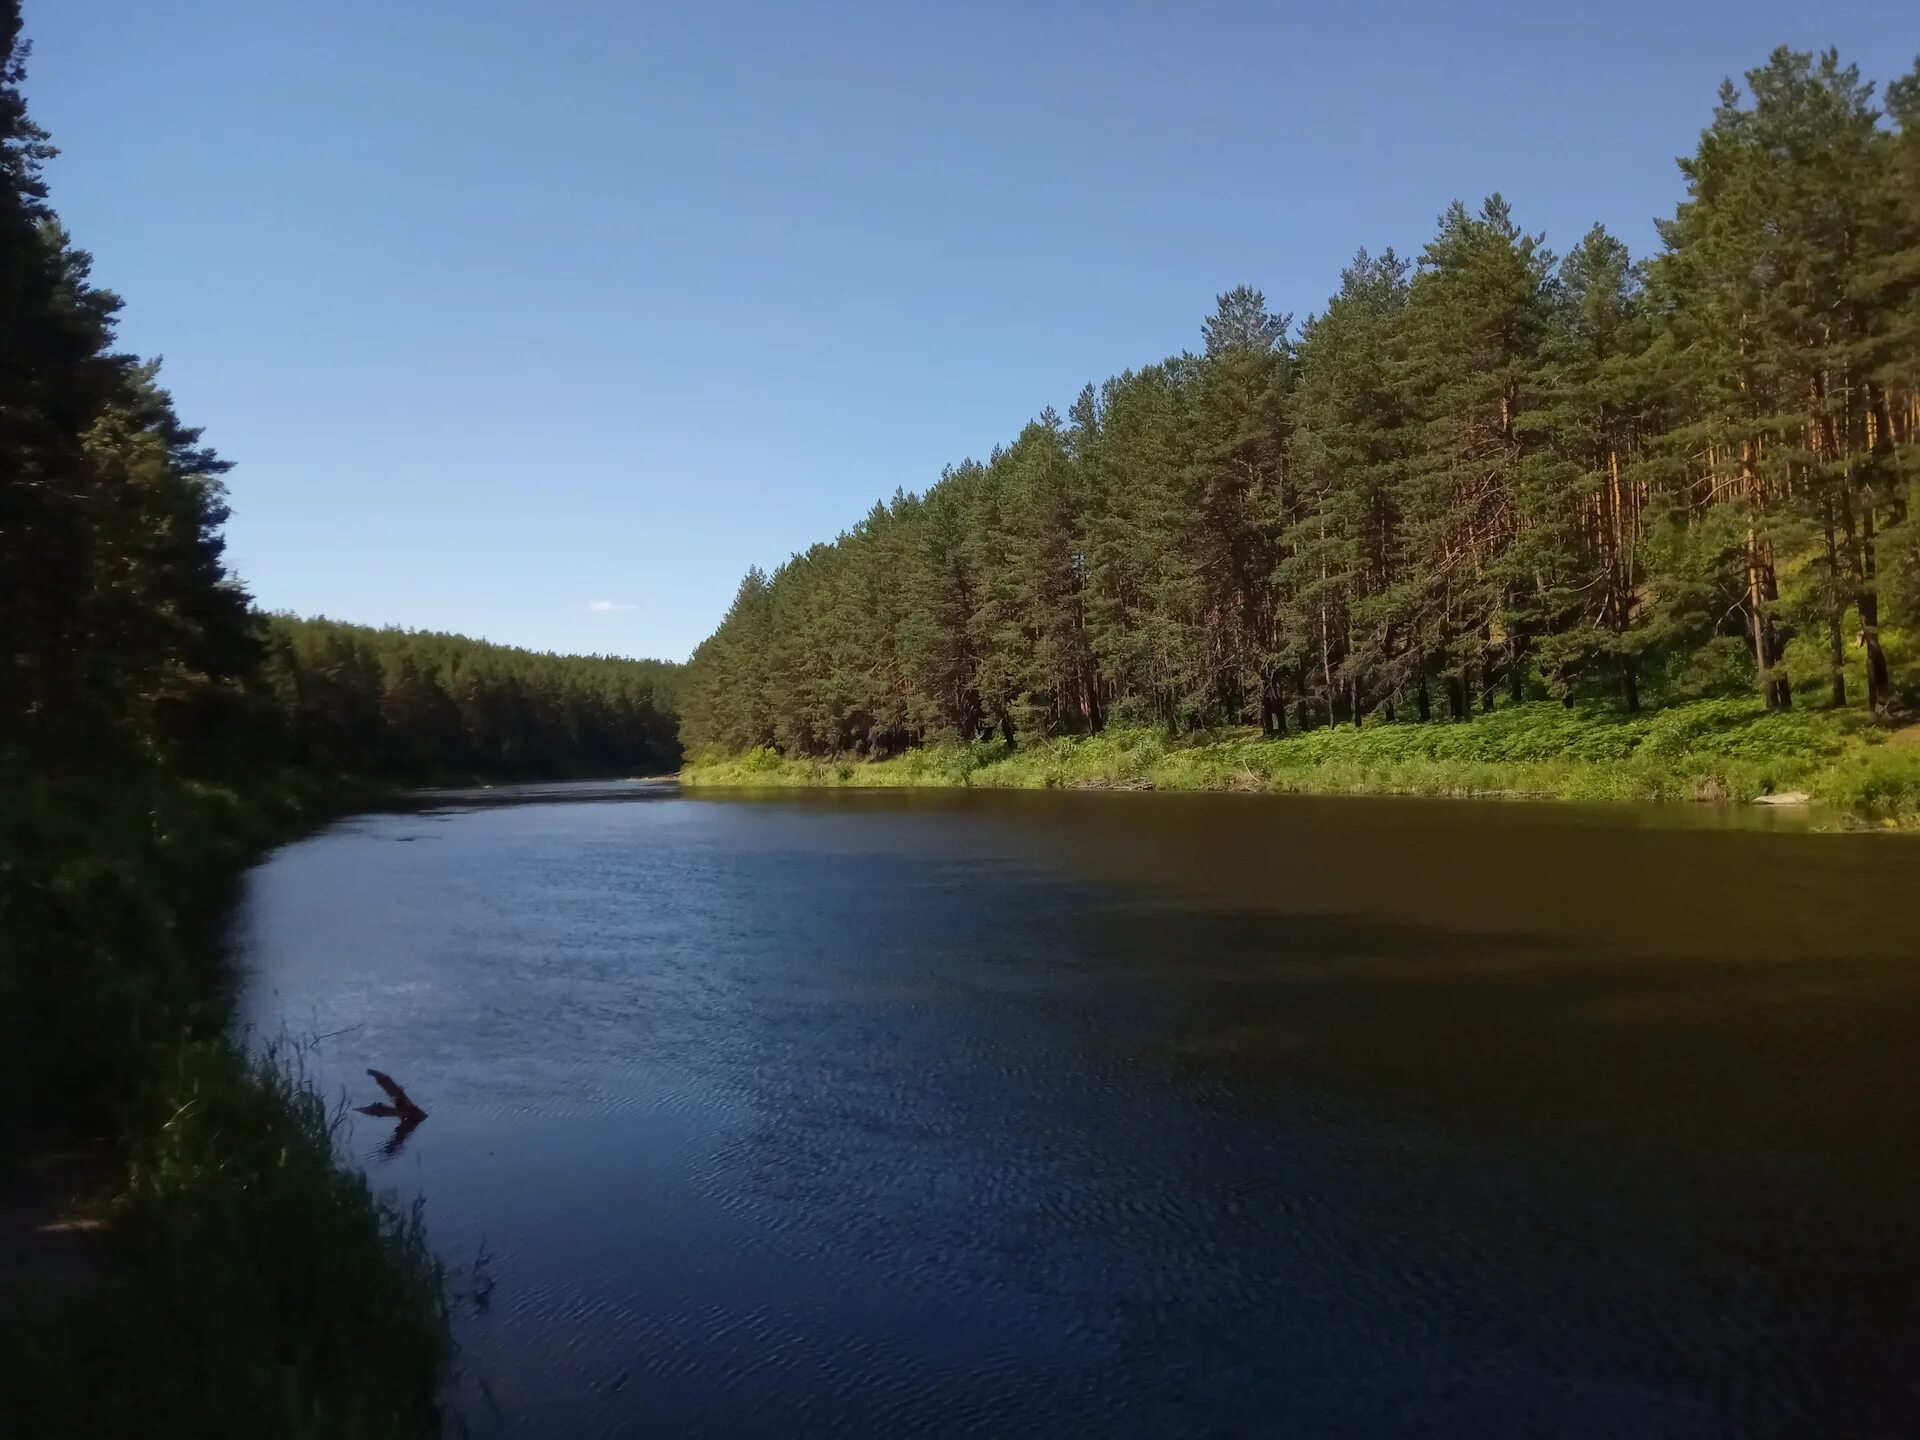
[(112, 887), (254, 1284), (1716, 750), (250, 1283)]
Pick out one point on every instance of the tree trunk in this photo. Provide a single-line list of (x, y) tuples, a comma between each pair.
[(1836, 605), (1630, 684), (1762, 591), (1326, 663), (1837, 653), (1863, 565), (1780, 686), (1879, 682)]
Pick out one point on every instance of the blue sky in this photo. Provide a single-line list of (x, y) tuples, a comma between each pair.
[(543, 321)]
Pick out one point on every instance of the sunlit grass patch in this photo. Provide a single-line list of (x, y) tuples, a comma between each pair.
[(1713, 750)]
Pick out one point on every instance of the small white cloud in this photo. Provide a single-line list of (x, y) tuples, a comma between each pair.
[(608, 607)]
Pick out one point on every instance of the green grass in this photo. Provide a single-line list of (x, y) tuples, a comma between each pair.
[(255, 1286), (1722, 750), (252, 1283), (112, 886)]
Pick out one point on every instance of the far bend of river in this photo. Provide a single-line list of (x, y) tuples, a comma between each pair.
[(954, 1113)]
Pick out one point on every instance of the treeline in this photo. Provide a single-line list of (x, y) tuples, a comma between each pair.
[(417, 703), (1491, 471), (124, 641)]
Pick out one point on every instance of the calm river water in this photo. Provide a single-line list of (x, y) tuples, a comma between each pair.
[(958, 1113)]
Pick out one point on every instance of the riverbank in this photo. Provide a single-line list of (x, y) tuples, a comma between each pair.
[(191, 1256), (1716, 750)]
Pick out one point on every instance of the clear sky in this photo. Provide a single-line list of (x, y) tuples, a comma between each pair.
[(541, 320)]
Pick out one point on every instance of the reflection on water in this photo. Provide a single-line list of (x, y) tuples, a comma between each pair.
[(939, 1114)]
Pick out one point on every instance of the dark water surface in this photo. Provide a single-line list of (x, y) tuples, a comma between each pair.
[(1054, 1114)]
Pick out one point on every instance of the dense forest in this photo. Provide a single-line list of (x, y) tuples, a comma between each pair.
[(416, 703), (123, 632), (1490, 472)]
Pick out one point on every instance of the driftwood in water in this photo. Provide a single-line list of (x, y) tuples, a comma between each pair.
[(402, 1109)]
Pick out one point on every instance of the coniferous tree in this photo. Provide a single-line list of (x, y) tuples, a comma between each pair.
[(941, 588), (123, 628), (1580, 536), (1476, 319), (1345, 547), (1765, 288), (415, 704), (1500, 474), (1133, 445), (1241, 503)]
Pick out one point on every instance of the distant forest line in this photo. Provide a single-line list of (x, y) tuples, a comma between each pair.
[(358, 700), (1489, 472), (128, 645)]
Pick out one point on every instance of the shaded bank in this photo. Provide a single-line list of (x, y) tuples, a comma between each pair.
[(1712, 750), (232, 1277)]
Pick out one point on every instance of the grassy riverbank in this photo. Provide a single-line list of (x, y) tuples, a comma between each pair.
[(1726, 750), (220, 1272)]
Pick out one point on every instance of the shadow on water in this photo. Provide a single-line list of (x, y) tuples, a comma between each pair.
[(553, 792)]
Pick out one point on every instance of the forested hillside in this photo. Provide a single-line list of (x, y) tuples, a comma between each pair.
[(1491, 471), (417, 703)]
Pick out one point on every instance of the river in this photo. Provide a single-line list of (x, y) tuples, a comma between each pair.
[(964, 1113)]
